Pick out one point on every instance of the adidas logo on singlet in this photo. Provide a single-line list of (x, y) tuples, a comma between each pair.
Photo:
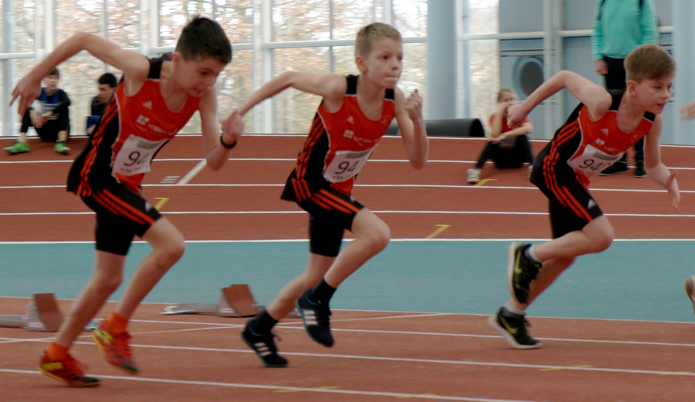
[(148, 105), (351, 120)]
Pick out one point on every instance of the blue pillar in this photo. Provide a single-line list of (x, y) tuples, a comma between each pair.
[(684, 85), (441, 59)]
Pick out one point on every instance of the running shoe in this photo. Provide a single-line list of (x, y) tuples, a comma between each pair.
[(61, 148), (617, 167), (521, 271), (114, 347), (67, 370), (316, 319), (17, 148), (513, 328), (473, 175), (264, 346)]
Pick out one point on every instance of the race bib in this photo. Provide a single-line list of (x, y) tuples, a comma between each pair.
[(135, 155), (592, 160), (346, 164)]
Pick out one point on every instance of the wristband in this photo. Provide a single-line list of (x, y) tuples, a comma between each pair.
[(224, 144)]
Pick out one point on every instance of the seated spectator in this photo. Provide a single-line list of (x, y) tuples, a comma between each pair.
[(107, 84), (507, 148), (49, 115)]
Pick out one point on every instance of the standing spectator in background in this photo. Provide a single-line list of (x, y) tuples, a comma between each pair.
[(49, 115), (620, 27), (508, 148), (107, 84)]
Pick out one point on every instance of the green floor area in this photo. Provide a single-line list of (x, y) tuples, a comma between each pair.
[(631, 280)]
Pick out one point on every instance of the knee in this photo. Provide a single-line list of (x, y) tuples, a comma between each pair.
[(172, 252), (108, 284), (378, 239), (602, 242)]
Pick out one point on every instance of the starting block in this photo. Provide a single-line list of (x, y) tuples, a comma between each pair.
[(42, 315), (235, 301)]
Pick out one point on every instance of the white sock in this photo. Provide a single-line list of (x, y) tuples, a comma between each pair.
[(531, 253), (508, 306)]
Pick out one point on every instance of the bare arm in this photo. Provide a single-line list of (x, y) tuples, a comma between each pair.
[(328, 86), (412, 127), (134, 66), (595, 98), (496, 126), (656, 170), (524, 129), (215, 154)]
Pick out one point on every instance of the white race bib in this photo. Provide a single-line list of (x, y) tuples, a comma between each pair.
[(592, 160), (346, 164), (135, 155)]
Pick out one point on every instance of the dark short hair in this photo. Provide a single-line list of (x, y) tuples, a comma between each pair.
[(108, 79), (203, 37), (54, 72)]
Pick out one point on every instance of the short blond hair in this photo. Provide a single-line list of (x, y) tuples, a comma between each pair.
[(369, 33), (649, 61)]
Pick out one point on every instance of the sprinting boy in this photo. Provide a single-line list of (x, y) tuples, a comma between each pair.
[(49, 115), (595, 135), (151, 104), (353, 115)]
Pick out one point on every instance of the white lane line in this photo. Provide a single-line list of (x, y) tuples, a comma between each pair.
[(283, 388)]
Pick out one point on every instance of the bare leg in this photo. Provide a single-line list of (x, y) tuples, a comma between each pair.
[(559, 254), (372, 236), (284, 301), (549, 273), (595, 237), (108, 274), (168, 247)]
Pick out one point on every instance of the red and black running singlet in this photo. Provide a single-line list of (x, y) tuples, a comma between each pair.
[(128, 136), (339, 145), (588, 146)]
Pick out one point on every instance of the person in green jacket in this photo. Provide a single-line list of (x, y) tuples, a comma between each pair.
[(621, 26)]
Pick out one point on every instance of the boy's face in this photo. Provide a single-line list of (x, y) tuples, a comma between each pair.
[(197, 75), (384, 63), (51, 82), (105, 92), (654, 94)]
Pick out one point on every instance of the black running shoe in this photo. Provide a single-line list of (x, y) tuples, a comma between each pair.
[(639, 170), (618, 167), (521, 271), (513, 328), (264, 346), (316, 320)]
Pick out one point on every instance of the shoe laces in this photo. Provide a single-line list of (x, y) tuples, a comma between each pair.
[(322, 315)]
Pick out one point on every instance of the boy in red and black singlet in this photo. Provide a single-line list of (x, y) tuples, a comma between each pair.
[(353, 115), (596, 134), (153, 101)]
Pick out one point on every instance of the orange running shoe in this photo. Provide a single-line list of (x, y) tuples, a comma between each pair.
[(68, 370), (114, 347)]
